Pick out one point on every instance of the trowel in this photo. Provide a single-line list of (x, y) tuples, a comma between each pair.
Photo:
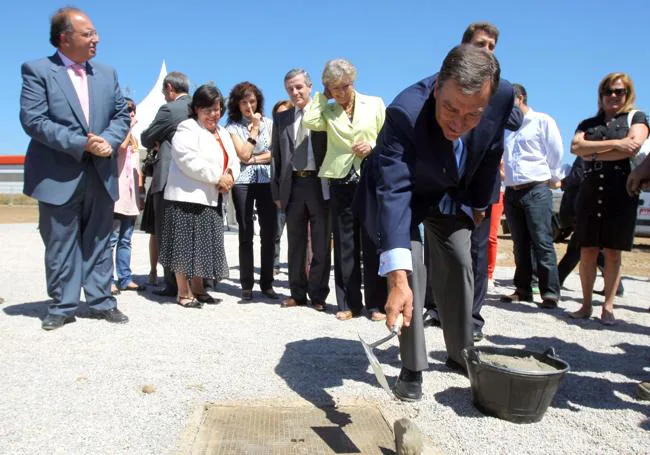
[(374, 363)]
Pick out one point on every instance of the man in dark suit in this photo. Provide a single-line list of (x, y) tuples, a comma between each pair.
[(159, 134), (436, 162), (297, 154), (75, 114), (483, 35)]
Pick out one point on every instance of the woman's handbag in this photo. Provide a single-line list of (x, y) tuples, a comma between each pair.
[(148, 162)]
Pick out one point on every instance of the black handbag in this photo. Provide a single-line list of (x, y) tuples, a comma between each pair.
[(148, 162)]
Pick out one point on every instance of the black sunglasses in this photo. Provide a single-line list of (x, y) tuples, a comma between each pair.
[(615, 91)]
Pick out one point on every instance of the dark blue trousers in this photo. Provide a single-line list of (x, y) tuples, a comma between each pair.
[(77, 250), (529, 213)]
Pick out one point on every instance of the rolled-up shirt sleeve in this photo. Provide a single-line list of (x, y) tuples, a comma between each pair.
[(395, 259), (554, 150)]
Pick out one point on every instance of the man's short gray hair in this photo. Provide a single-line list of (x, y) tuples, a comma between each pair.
[(178, 81), (297, 72), (338, 70), (470, 67)]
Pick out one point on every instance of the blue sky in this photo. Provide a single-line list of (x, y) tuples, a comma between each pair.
[(559, 50)]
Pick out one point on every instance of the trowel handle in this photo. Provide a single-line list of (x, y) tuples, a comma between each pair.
[(398, 324)]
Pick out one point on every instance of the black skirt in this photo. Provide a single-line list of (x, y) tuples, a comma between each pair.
[(192, 241), (606, 213), (147, 224)]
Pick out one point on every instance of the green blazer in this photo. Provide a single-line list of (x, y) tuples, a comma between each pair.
[(369, 113)]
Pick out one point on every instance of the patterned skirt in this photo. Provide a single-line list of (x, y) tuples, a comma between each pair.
[(192, 241)]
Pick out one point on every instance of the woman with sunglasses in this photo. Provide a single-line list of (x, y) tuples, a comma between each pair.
[(606, 214)]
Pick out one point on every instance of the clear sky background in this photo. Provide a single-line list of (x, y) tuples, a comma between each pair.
[(559, 50)]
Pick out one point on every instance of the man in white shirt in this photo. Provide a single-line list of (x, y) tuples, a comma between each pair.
[(532, 159)]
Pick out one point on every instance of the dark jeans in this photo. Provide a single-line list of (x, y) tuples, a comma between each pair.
[(246, 197), (529, 215)]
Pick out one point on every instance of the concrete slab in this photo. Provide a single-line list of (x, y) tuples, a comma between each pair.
[(299, 429)]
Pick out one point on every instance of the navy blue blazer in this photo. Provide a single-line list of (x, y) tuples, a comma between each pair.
[(51, 114), (413, 164)]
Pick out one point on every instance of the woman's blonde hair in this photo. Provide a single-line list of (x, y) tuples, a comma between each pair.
[(338, 70), (630, 96)]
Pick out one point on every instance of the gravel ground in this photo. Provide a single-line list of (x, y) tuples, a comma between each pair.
[(79, 389)]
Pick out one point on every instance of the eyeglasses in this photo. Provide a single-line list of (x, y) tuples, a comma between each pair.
[(340, 88), (88, 34), (210, 110), (615, 91)]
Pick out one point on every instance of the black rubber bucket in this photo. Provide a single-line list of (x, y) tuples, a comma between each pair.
[(517, 395)]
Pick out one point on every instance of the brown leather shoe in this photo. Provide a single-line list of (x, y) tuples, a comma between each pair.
[(344, 315), (318, 306), (291, 302), (516, 297)]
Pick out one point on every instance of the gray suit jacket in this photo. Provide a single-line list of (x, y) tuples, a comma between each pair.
[(162, 130), (51, 114), (282, 148)]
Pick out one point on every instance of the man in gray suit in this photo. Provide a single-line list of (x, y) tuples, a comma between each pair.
[(159, 135), (75, 114), (297, 155)]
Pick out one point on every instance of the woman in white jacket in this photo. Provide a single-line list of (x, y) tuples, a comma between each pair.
[(204, 167)]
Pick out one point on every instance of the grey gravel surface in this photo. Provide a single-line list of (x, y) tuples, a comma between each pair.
[(79, 389)]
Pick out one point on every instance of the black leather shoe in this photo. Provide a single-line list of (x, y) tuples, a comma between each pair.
[(516, 297), (165, 292), (456, 367), (247, 294), (113, 315), (477, 334), (408, 391), (548, 304), (54, 321), (270, 294), (429, 320)]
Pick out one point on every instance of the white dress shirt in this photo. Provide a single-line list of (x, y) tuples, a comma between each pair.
[(533, 153)]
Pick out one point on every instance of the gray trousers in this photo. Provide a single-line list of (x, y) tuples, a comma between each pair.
[(452, 283), (77, 251)]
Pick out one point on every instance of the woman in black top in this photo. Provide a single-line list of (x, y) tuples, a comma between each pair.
[(606, 213)]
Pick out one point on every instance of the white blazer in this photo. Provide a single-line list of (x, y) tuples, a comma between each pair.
[(197, 164)]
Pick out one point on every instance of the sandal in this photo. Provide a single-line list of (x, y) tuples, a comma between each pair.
[(581, 314), (607, 317), (206, 298), (188, 302), (377, 316), (114, 290), (131, 286), (153, 278), (344, 315)]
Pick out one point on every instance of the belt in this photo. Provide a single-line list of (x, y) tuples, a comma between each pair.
[(525, 186), (304, 173)]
